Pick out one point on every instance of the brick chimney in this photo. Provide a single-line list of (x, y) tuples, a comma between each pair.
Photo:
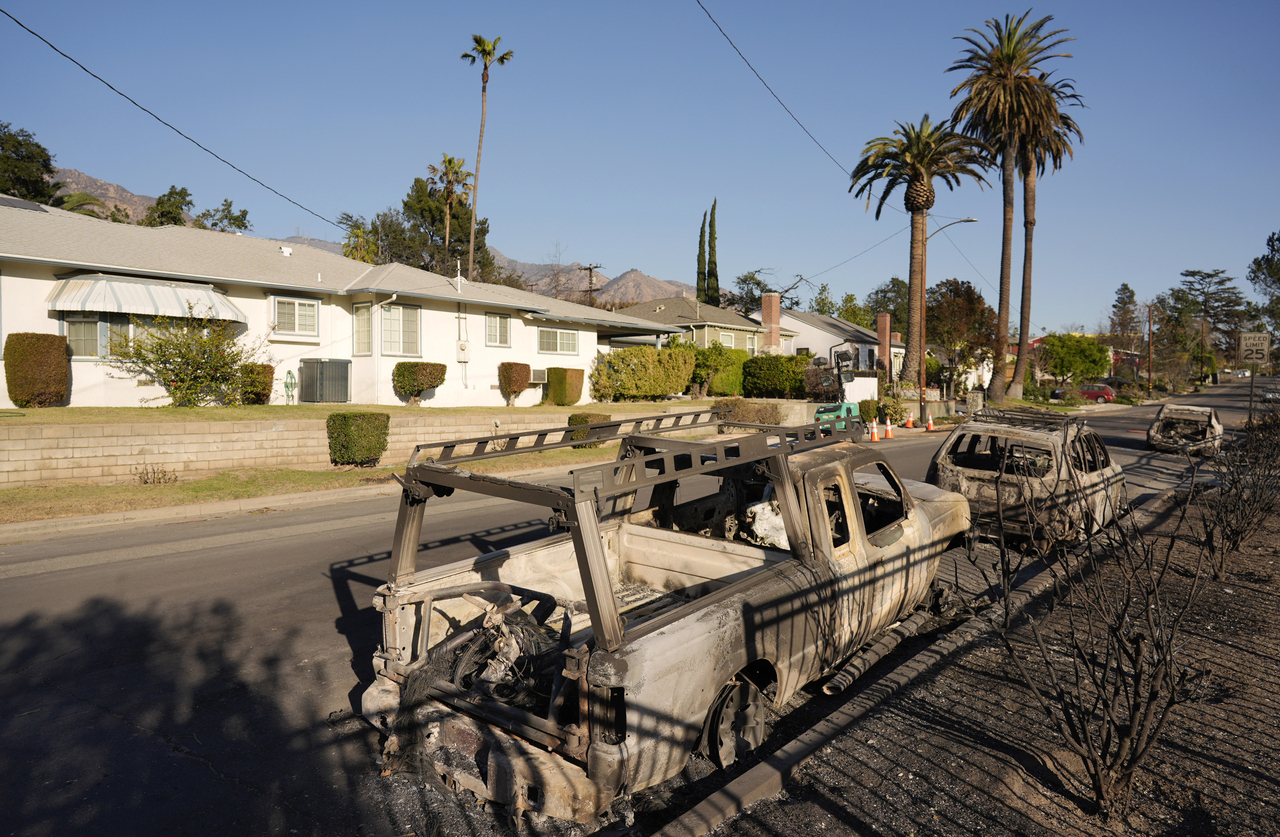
[(771, 319), (883, 335)]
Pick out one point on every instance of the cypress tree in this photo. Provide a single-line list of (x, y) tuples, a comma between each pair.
[(702, 261), (713, 273)]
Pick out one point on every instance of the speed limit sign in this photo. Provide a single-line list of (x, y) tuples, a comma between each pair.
[(1255, 347)]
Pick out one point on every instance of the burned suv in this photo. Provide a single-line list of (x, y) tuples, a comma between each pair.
[(1036, 475), (1183, 428)]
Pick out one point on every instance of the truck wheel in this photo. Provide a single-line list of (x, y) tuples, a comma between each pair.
[(736, 723)]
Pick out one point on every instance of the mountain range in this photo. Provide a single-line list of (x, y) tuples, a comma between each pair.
[(573, 282)]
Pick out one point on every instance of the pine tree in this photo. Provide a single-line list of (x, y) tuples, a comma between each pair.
[(713, 273), (702, 261)]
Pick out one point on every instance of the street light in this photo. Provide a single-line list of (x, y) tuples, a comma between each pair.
[(924, 419)]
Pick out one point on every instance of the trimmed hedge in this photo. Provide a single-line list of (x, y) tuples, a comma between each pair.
[(586, 418), (256, 382), (642, 373), (513, 379), (774, 376), (869, 409), (738, 409), (357, 438), (409, 378), (564, 386), (37, 369)]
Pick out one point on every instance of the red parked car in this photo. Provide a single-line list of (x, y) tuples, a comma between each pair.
[(1097, 392), (1089, 392)]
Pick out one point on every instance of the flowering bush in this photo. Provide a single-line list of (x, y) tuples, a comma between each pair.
[(198, 360)]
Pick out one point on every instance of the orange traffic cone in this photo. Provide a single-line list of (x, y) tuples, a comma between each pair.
[(911, 419), (930, 425), (875, 434), (888, 430)]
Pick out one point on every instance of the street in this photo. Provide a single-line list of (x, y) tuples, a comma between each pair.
[(201, 676)]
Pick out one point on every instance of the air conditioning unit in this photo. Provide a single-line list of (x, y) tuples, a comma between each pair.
[(324, 381), (537, 376)]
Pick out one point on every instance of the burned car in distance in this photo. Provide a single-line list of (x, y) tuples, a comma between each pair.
[(1181, 428), (1031, 475), (682, 588)]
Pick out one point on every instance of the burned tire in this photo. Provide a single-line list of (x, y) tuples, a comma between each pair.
[(736, 723)]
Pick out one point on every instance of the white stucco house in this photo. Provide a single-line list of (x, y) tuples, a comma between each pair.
[(344, 322), (823, 336)]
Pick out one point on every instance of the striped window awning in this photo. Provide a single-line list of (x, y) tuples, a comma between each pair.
[(101, 292)]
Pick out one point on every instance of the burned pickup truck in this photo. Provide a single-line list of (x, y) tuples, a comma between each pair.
[(684, 585)]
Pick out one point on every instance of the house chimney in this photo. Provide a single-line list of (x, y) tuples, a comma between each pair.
[(882, 334), (771, 319)]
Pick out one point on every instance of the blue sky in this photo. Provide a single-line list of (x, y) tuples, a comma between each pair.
[(617, 124)]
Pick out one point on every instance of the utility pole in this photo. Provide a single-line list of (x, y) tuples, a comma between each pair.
[(591, 283), (1151, 368)]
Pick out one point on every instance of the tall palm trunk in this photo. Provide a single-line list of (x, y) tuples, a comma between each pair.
[(1008, 171), (1024, 319), (915, 295), (475, 181), (448, 216)]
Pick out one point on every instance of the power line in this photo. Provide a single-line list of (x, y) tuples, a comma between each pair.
[(166, 124), (851, 258), (770, 89)]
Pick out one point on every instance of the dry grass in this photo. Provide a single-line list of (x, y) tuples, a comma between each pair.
[(45, 502)]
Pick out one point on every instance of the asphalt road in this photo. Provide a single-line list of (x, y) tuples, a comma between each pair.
[(199, 677)]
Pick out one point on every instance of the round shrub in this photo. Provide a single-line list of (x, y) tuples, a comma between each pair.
[(408, 378), (513, 379), (36, 369), (357, 438), (774, 376), (576, 419), (256, 382)]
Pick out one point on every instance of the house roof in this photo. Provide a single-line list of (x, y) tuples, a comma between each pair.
[(685, 312), (839, 328), (33, 233)]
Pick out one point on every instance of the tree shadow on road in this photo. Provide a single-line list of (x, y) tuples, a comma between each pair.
[(120, 721)]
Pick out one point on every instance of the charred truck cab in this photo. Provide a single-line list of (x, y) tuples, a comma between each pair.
[(684, 585)]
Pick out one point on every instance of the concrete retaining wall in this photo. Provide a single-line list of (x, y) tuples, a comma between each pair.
[(110, 453)]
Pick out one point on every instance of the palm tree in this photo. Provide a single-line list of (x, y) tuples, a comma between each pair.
[(487, 52), (1033, 154), (81, 203), (913, 157), (1007, 96), (450, 178)]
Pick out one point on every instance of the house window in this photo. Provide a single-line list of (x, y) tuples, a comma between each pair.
[(82, 334), (362, 328), (399, 330), (497, 330), (726, 339), (297, 317), (751, 345), (557, 341)]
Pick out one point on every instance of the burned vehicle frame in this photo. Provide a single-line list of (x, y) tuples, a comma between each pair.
[(557, 676), (1031, 476), (1181, 428)]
